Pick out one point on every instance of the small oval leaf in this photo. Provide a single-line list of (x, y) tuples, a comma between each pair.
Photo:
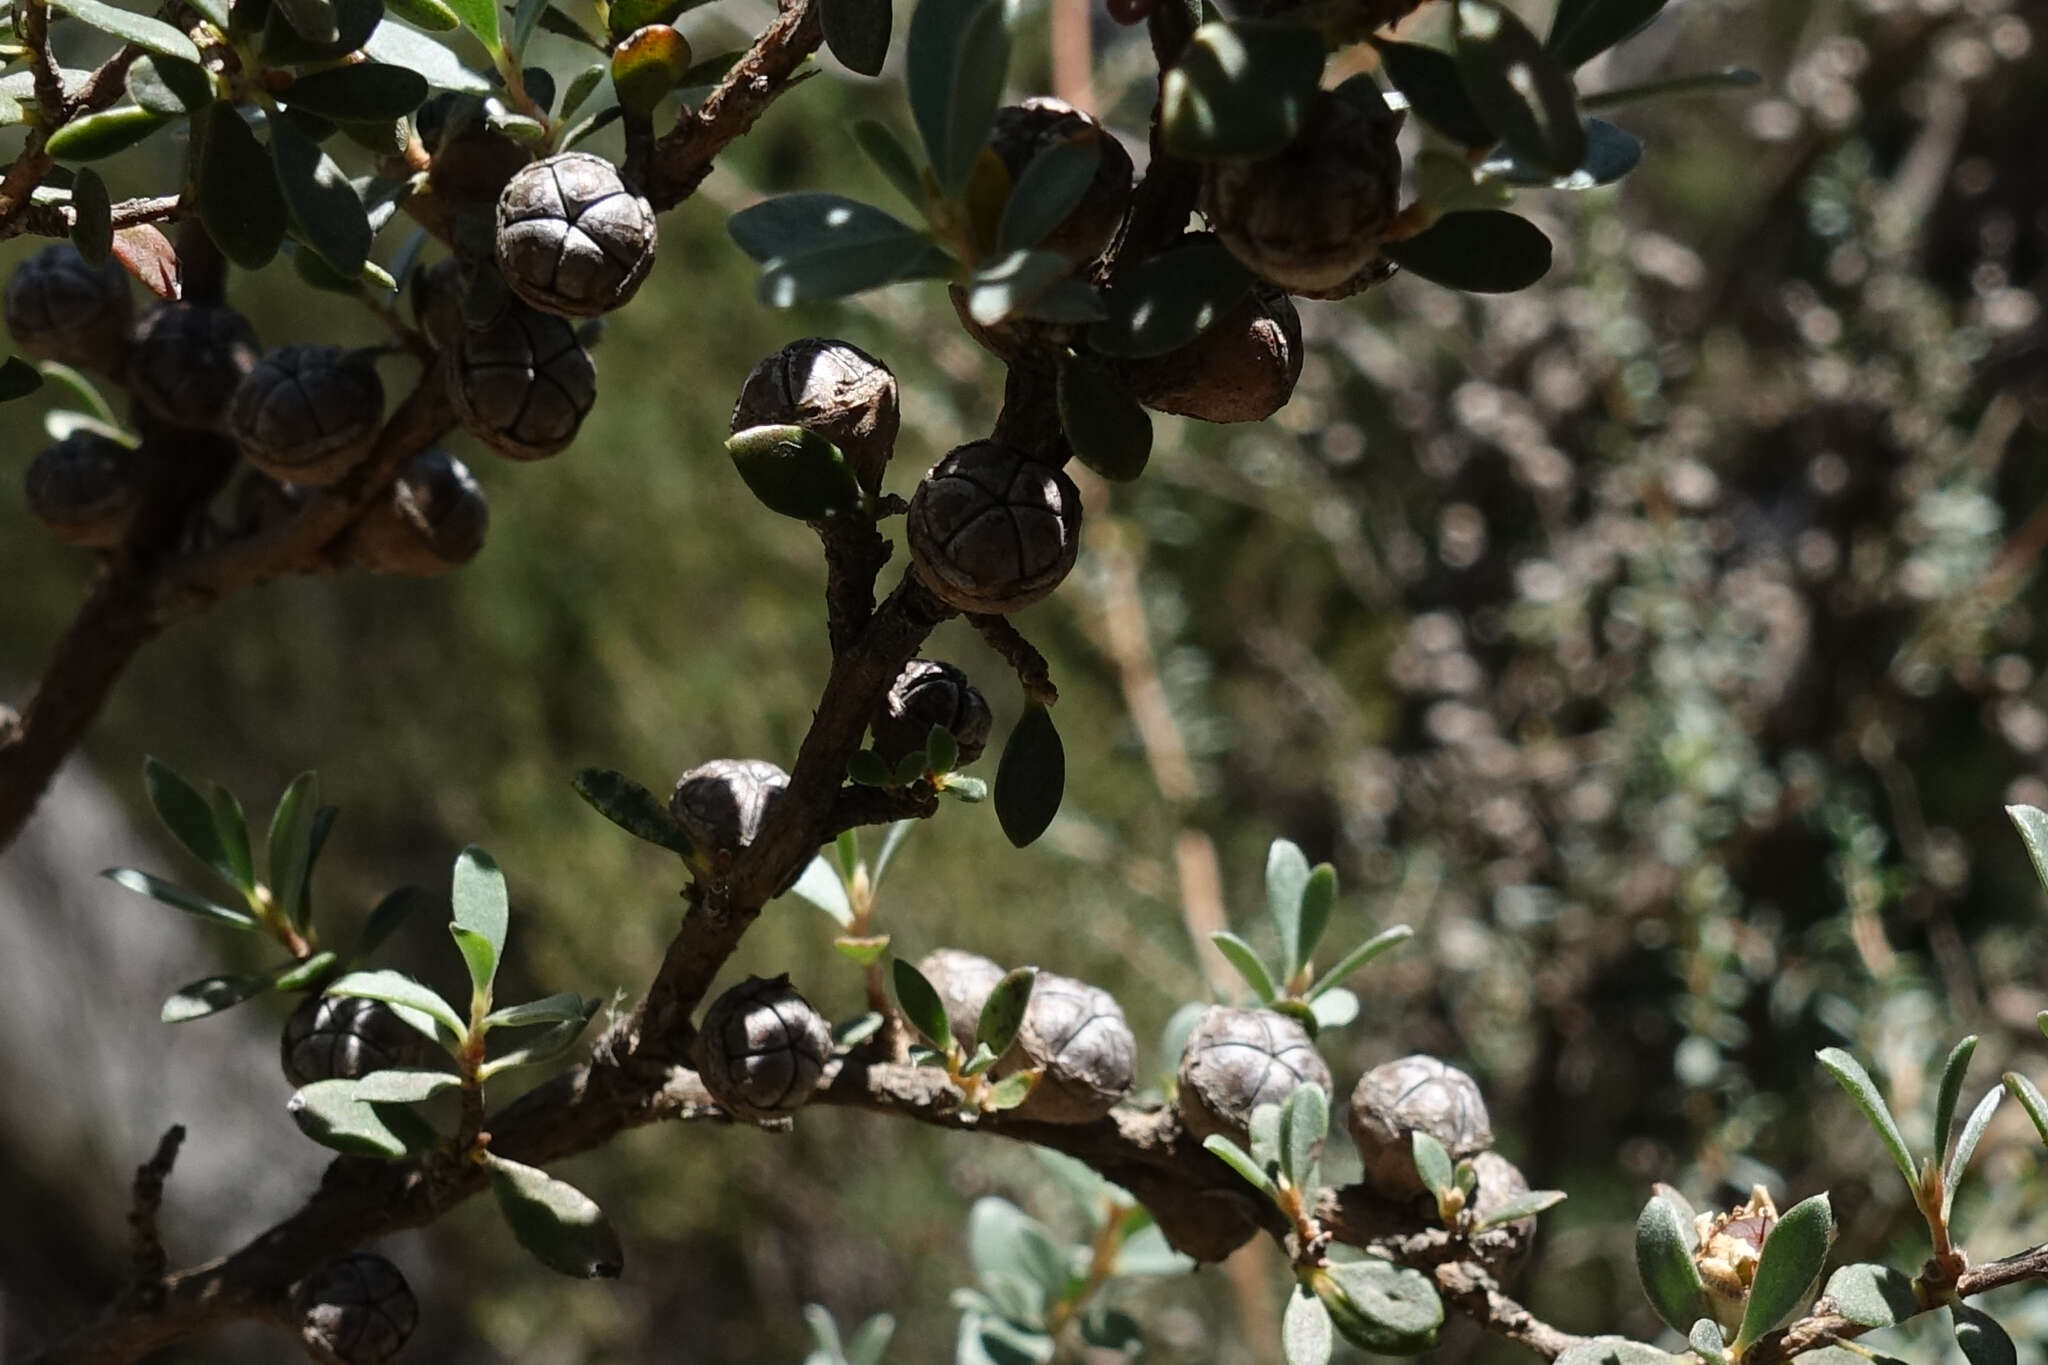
[(1481, 251), (1518, 88), (1108, 429), (562, 1226), (1031, 779)]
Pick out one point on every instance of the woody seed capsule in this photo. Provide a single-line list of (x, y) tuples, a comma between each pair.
[(522, 385), (1242, 369), (343, 1037), (722, 804), (1022, 131), (992, 529), (1310, 218), (572, 239), (306, 414), (928, 693), (185, 361), (85, 489), (1236, 1060), (1076, 1035), (432, 519), (762, 1048), (60, 308), (355, 1311), (830, 387), (1418, 1093)]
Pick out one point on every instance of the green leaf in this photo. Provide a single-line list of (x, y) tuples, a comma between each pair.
[(1981, 1340), (1304, 1123), (648, 64), (1583, 29), (825, 245), (1693, 83), (971, 790), (391, 912), (1031, 778), (1108, 429), (546, 1047), (1616, 1351), (480, 17), (284, 45), (400, 46), (235, 193), (189, 817), (981, 1060), (1002, 1014), (857, 32), (941, 751), (821, 886), (1286, 881), (865, 950), (632, 808), (1334, 1008), (891, 158), (1167, 300), (92, 222), (562, 1226), (1520, 1207), (1706, 1341), (332, 1114), (922, 1008), (1318, 896), (1610, 155), (360, 92), (288, 856), (1966, 1147), (1008, 286), (1873, 1295), (1358, 957), (212, 994), (1306, 1334), (396, 988), (232, 829), (309, 974), (431, 15), (2032, 823), (324, 207), (94, 136), (1009, 1092), (891, 842), (2030, 1099), (403, 1086), (1239, 1160), (825, 1332), (1381, 1307), (1264, 1133), (1481, 251), (1049, 189), (1240, 90), (955, 60), (177, 897), (1429, 80), (867, 769), (795, 472), (18, 379), (582, 86), (313, 20), (1850, 1075), (561, 1008), (1241, 955), (477, 957), (168, 87), (1792, 1258), (482, 908), (1518, 88), (1950, 1091), (151, 35), (1433, 1163), (870, 1340), (1664, 1264)]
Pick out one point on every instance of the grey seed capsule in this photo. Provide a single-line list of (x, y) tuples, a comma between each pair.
[(185, 361), (85, 489), (1077, 1035), (1242, 369), (1236, 1060), (721, 804), (830, 387), (928, 693), (522, 385), (762, 1048), (1418, 1093), (432, 519), (572, 239), (60, 308), (341, 1037), (992, 529), (307, 414), (357, 1310)]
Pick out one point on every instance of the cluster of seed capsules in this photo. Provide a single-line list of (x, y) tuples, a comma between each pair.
[(570, 242)]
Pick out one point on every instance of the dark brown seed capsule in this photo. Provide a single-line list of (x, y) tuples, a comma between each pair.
[(572, 239), (60, 308), (992, 529), (185, 361), (260, 502), (1415, 1094), (1311, 218), (432, 519), (1236, 1060), (830, 387), (963, 981), (1024, 130), (1075, 1034), (1243, 369), (762, 1049), (343, 1037), (928, 693), (306, 414), (1018, 340), (721, 804), (355, 1311), (85, 488), (522, 385)]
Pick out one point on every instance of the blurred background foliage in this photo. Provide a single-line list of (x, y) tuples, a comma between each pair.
[(1662, 643)]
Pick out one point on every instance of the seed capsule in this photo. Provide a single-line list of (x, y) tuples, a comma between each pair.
[(722, 804), (1076, 1035), (992, 529), (343, 1037), (762, 1049), (432, 519), (60, 308), (85, 489), (355, 1311), (306, 414), (1024, 130), (1310, 219), (522, 385), (928, 693), (185, 361), (1236, 1060), (1418, 1093), (572, 239), (830, 387), (1242, 369)]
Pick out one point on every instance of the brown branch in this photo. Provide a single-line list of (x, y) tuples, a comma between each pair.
[(682, 159), (1020, 654), (1824, 1327), (149, 1257)]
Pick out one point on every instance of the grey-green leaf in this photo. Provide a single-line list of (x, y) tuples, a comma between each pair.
[(1432, 1163), (1850, 1075), (1048, 190), (632, 808), (1382, 1307), (2032, 823), (1003, 1013), (404, 1086), (1664, 1263), (168, 87), (177, 897), (1240, 90), (1012, 283), (480, 17), (396, 988), (562, 1226), (151, 35), (92, 216), (188, 816), (360, 92), (857, 32), (1950, 1090), (1792, 1258), (1031, 777), (921, 1004), (1167, 300), (1966, 1147), (1286, 878), (1521, 91), (1306, 1334), (1247, 962), (1873, 1295), (1982, 1341), (324, 207), (1239, 1160), (1583, 29), (1318, 897), (1109, 430), (1429, 79), (235, 194), (560, 1008), (1358, 957), (212, 994), (401, 46), (1481, 251), (288, 855), (1520, 1207), (1707, 1343), (891, 158), (482, 907), (956, 57), (332, 1114), (2030, 1099), (1304, 1123)]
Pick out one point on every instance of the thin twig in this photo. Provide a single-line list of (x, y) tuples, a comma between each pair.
[(148, 1258)]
